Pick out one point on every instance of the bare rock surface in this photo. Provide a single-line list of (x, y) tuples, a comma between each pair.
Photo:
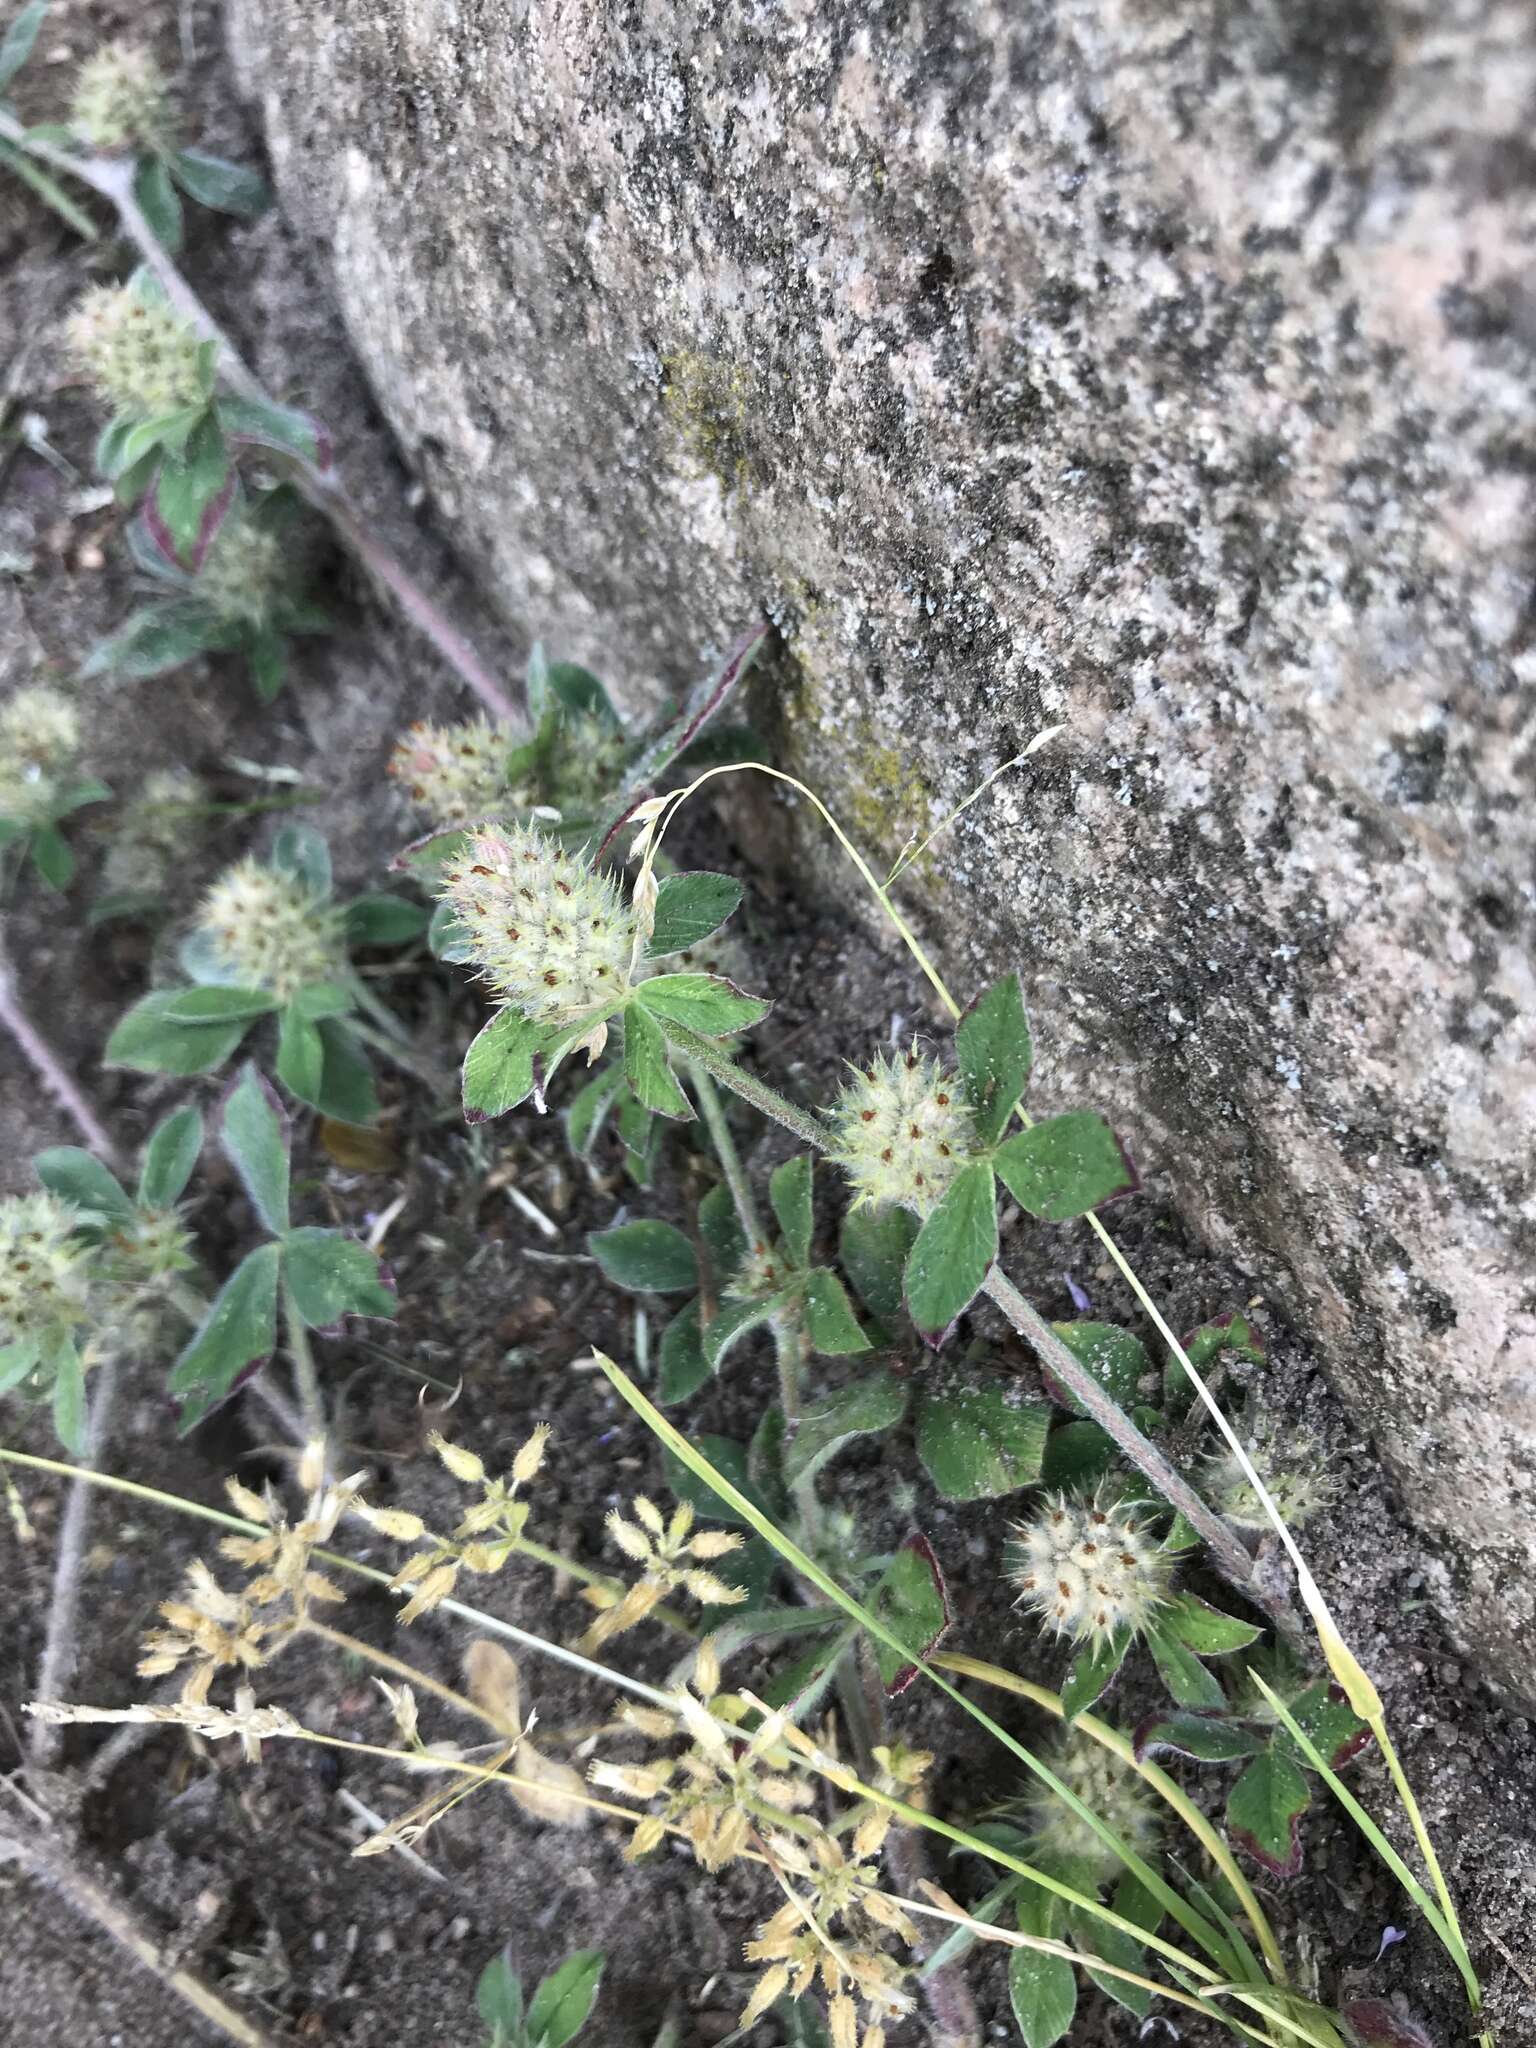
[(1159, 371)]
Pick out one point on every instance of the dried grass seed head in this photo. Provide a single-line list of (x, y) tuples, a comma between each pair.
[(122, 100), (552, 938), (673, 1556), (1089, 1566), (271, 930), (454, 774), (903, 1131), (487, 1535), (141, 358)]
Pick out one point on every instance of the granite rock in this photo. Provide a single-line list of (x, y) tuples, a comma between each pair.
[(1160, 370)]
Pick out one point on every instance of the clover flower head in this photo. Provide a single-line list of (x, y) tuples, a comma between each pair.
[(454, 774), (271, 930), (1110, 1788), (39, 744), (672, 1554), (153, 834), (903, 1131), (1296, 1481), (551, 937), (242, 572), (122, 100), (1089, 1567), (45, 1269), (588, 756), (141, 357)]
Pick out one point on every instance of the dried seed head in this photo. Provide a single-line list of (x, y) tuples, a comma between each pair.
[(903, 1132), (1291, 1469), (671, 1553), (45, 1269), (142, 359), (552, 938), (39, 744), (455, 774), (242, 573), (1114, 1792), (1089, 1567), (271, 930), (122, 100)]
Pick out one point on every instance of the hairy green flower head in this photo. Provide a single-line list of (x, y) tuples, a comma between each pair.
[(1089, 1567), (552, 938), (763, 1271), (903, 1131), (271, 931), (1115, 1793), (588, 756), (122, 100), (140, 357), (242, 572), (39, 743), (1296, 1481), (151, 1246), (454, 774), (45, 1269), (154, 834)]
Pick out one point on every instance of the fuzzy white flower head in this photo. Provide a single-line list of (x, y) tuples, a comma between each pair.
[(122, 99), (142, 359), (588, 756), (155, 832), (903, 1131), (271, 930), (1089, 1567), (1114, 1792), (39, 742), (552, 938), (45, 1269), (454, 774)]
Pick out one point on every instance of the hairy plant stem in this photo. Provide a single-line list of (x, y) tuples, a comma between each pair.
[(58, 1657), (1225, 1546), (48, 1067), (306, 1381), (112, 178), (787, 1338)]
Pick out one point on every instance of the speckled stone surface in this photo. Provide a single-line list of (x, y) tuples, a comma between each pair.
[(1160, 370)]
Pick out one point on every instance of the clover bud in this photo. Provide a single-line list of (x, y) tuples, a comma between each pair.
[(270, 929), (454, 774), (44, 1269), (1089, 1567), (1115, 1793), (242, 573), (550, 936), (39, 743), (142, 359), (122, 100), (903, 1132)]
